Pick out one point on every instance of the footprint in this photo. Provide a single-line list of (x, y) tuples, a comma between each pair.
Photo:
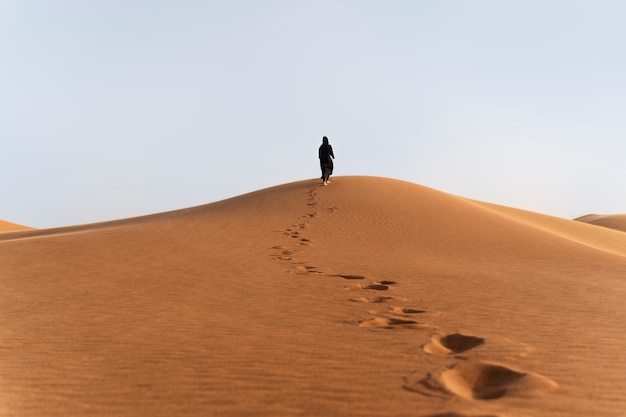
[(403, 310), (310, 215), (374, 300), (285, 254), (452, 344), (379, 286), (304, 269), (349, 276), (331, 209), (379, 320), (384, 322), (487, 381), (376, 286)]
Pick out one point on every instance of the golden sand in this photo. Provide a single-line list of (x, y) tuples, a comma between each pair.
[(11, 227), (368, 297)]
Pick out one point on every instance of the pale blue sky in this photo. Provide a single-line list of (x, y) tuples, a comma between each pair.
[(119, 108)]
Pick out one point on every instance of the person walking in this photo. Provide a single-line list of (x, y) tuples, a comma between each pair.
[(326, 156)]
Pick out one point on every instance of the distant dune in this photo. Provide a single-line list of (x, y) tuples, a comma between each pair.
[(367, 297), (10, 227), (611, 221)]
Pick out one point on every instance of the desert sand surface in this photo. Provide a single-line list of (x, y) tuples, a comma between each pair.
[(612, 221), (367, 297), (11, 227)]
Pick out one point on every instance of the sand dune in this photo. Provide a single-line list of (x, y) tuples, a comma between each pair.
[(368, 297), (10, 227), (611, 221)]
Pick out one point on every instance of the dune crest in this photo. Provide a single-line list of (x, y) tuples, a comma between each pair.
[(610, 221), (11, 227)]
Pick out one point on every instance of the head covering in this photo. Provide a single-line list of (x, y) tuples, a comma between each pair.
[(325, 140)]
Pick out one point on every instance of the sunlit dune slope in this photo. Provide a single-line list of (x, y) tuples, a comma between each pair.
[(433, 225), (395, 210), (9, 227), (611, 221), (367, 297)]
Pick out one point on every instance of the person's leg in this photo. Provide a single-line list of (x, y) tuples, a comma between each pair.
[(330, 170), (326, 173)]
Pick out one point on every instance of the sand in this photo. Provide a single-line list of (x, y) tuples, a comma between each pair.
[(367, 297), (612, 221), (11, 227)]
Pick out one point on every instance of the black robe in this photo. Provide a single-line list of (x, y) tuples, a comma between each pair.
[(326, 156)]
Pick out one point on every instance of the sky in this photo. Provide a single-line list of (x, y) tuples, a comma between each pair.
[(119, 108)]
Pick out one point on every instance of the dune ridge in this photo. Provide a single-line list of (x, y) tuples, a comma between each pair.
[(368, 297), (611, 221), (9, 227)]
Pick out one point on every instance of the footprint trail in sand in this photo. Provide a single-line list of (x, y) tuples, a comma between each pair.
[(469, 377)]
